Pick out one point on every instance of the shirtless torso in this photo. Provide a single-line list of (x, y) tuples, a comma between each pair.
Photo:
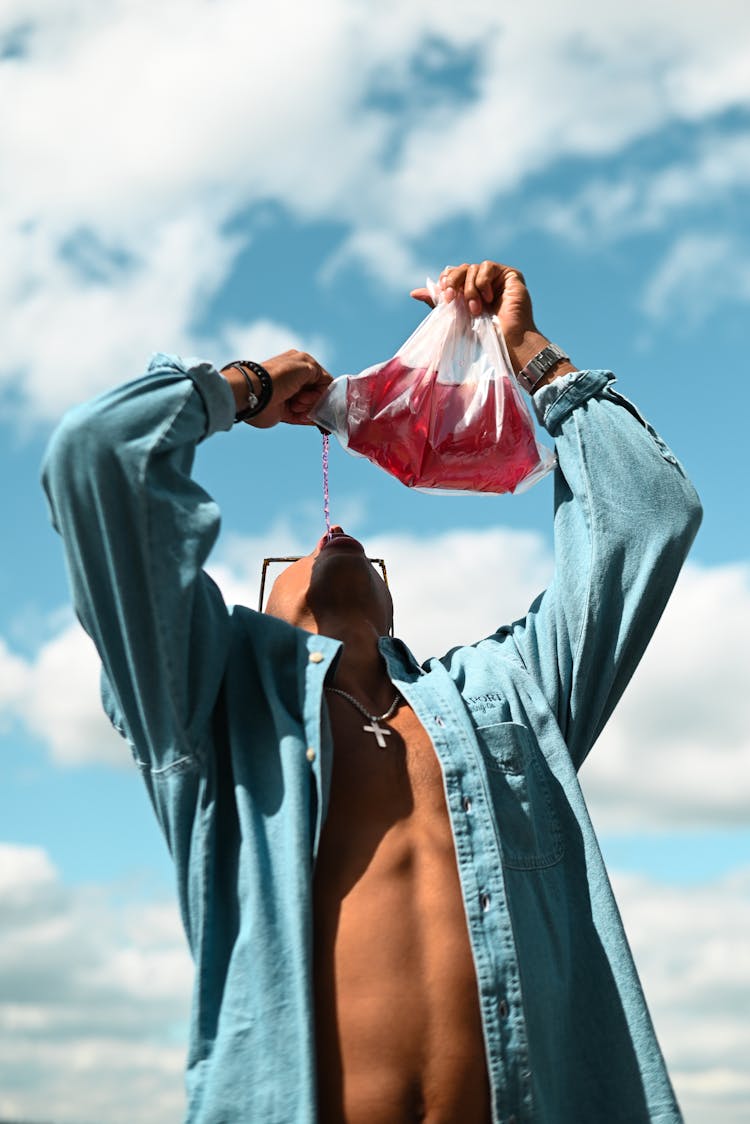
[(399, 1036)]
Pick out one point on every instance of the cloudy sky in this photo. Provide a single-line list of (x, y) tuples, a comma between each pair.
[(216, 177)]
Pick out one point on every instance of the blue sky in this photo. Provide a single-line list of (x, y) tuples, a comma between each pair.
[(204, 179)]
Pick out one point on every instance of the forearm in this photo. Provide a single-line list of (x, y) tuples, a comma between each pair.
[(137, 530)]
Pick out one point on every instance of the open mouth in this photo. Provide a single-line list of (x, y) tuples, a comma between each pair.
[(340, 541)]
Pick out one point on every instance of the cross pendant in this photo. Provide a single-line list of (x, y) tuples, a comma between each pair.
[(379, 731)]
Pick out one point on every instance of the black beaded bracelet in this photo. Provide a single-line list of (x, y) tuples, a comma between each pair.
[(256, 402)]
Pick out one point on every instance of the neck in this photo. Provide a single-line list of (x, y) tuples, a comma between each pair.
[(361, 669)]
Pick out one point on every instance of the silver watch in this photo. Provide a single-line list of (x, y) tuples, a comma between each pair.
[(538, 367)]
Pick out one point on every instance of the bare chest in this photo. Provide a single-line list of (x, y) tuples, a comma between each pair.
[(387, 817), (396, 1002)]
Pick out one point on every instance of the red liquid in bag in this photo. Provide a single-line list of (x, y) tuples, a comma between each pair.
[(464, 436)]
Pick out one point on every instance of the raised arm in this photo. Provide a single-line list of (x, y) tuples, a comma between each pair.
[(137, 530), (625, 517)]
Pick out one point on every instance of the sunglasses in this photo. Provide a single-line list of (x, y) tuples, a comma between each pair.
[(295, 558)]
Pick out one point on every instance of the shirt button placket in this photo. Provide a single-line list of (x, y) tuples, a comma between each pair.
[(313, 657)]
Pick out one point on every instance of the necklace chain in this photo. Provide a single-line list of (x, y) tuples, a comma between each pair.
[(373, 717)]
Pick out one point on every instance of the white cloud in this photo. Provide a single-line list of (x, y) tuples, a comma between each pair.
[(436, 583), (602, 78), (646, 198), (95, 993), (201, 110), (692, 953), (13, 675), (24, 871), (237, 569), (56, 698), (699, 273), (265, 338), (677, 749), (98, 333), (387, 258)]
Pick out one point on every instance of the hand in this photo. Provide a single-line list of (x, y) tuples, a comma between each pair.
[(298, 382), (497, 289)]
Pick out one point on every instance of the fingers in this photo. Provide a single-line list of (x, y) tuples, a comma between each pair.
[(451, 280), (471, 292), (472, 282), (312, 382), (480, 285), (305, 401), (298, 382), (296, 369), (292, 418), (487, 276)]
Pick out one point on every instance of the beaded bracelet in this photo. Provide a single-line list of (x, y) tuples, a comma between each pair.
[(256, 402)]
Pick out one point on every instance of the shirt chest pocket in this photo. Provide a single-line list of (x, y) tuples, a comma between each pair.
[(521, 793)]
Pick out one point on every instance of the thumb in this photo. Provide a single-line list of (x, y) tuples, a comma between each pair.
[(423, 295)]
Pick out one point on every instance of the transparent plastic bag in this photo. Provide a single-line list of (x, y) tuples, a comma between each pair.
[(445, 413)]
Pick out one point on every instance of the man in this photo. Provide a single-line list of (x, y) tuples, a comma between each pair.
[(387, 875)]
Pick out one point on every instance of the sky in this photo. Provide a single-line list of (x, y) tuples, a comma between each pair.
[(219, 178)]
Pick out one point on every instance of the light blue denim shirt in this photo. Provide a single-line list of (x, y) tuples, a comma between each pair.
[(226, 719)]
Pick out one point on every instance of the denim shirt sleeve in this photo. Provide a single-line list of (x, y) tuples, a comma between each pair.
[(136, 531), (625, 517)]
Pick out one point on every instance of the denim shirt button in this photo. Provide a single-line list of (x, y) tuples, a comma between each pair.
[(485, 902), (310, 755), (503, 1008), (316, 657), (439, 721), (466, 804)]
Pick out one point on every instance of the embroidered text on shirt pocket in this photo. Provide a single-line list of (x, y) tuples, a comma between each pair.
[(527, 825)]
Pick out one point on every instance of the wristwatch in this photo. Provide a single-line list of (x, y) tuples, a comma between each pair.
[(543, 362)]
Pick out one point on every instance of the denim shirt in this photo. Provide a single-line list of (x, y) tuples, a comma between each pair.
[(226, 719)]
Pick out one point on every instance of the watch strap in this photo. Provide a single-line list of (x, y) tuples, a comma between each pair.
[(542, 363)]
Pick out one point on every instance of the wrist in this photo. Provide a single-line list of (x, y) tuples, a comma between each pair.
[(238, 383), (525, 348), (532, 343), (251, 385)]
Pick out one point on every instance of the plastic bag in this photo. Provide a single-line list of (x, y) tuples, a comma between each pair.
[(445, 413)]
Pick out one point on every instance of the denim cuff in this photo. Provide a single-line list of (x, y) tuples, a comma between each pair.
[(558, 398), (213, 388)]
